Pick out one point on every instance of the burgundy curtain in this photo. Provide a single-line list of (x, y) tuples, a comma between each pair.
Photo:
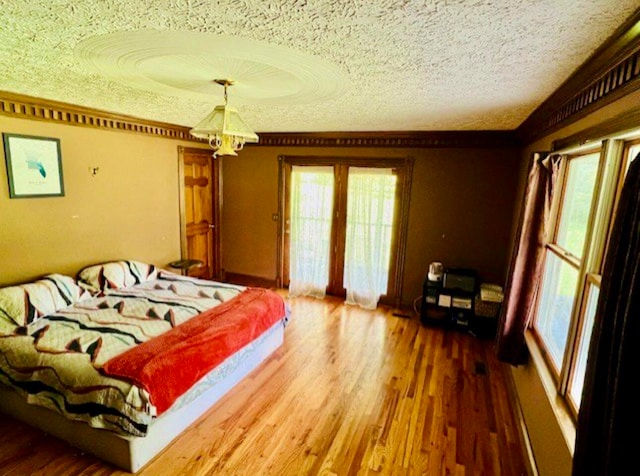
[(527, 260), (606, 440)]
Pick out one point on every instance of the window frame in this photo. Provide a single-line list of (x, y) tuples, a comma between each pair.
[(614, 155), (560, 375)]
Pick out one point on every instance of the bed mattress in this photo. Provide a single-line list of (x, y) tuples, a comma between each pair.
[(57, 361)]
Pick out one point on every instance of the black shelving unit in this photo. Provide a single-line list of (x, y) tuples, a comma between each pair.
[(430, 312), (449, 302)]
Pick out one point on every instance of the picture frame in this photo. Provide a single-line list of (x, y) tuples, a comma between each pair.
[(34, 166)]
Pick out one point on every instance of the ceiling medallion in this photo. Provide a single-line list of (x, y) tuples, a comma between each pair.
[(183, 63)]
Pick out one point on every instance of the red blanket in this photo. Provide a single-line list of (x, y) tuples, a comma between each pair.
[(168, 365)]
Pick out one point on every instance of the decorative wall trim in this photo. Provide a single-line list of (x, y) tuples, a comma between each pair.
[(612, 72), (27, 107), (403, 139), (614, 126)]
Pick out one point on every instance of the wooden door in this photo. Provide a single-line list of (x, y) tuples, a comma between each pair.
[(200, 210)]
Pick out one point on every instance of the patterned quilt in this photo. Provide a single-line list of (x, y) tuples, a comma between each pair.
[(55, 360)]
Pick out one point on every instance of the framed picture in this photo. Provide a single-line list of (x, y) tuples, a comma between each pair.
[(34, 166)]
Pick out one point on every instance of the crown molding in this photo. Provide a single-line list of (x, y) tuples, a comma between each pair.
[(402, 139), (615, 126), (28, 107), (611, 72)]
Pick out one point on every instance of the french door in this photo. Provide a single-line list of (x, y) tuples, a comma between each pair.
[(332, 211)]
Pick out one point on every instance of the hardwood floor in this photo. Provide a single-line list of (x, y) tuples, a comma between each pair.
[(350, 392)]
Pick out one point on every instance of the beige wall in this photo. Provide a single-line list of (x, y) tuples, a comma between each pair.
[(552, 451), (460, 212), (128, 210)]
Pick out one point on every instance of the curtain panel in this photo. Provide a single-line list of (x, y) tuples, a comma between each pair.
[(526, 264), (370, 211), (606, 439), (310, 238)]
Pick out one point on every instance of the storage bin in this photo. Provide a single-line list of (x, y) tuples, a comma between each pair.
[(486, 308)]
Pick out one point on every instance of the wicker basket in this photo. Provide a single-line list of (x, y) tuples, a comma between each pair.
[(485, 308)]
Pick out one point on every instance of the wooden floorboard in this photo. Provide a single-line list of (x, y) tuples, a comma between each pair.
[(351, 392)]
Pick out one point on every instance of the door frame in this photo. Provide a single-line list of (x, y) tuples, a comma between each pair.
[(403, 168), (216, 183)]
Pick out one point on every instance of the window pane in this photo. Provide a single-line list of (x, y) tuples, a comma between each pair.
[(576, 203), (581, 364), (556, 303), (633, 152)]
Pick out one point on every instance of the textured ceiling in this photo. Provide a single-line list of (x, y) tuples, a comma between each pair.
[(303, 65)]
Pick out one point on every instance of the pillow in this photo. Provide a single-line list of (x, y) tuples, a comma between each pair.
[(115, 274), (24, 303)]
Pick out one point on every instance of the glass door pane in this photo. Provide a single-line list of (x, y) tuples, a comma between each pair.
[(311, 204), (370, 212)]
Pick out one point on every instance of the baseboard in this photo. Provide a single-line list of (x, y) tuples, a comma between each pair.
[(523, 433), (248, 280)]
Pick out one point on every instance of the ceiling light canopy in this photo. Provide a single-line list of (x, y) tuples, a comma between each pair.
[(224, 128)]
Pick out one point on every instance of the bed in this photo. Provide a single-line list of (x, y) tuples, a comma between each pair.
[(121, 359)]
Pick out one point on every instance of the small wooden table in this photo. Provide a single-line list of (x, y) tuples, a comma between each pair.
[(185, 265)]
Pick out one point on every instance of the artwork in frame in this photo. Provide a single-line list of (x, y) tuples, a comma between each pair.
[(34, 166)]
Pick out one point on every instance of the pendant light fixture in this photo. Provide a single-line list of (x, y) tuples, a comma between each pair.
[(223, 128)]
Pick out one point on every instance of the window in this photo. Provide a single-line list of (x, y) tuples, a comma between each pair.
[(584, 204), (576, 203), (556, 305), (564, 257), (577, 380)]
